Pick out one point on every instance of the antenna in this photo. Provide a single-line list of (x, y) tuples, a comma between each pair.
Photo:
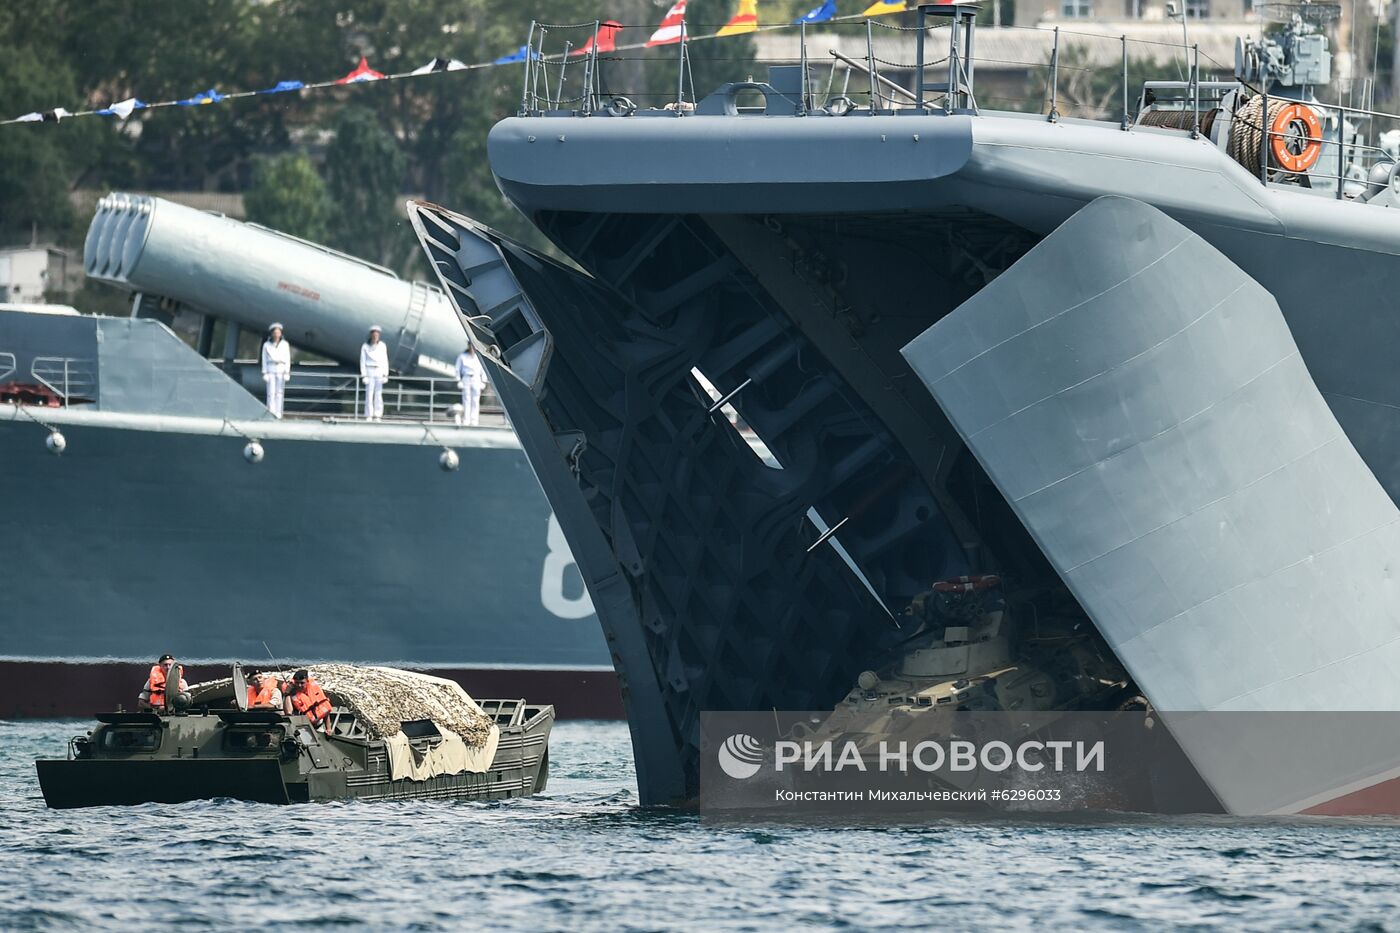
[(1172, 13), (275, 663)]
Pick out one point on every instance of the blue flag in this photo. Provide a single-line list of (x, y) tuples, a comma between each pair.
[(517, 56), (283, 87), (210, 96), (821, 14)]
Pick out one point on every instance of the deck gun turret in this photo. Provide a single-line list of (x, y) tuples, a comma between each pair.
[(1296, 57)]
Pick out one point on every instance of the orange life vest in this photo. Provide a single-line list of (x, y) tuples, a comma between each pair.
[(310, 699), (156, 685), (260, 697)]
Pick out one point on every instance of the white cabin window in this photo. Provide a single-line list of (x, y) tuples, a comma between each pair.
[(1198, 9), (1076, 9)]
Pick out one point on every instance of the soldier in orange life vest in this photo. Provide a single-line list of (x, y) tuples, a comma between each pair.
[(153, 694), (302, 694), (263, 693)]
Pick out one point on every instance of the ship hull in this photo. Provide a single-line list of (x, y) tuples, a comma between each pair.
[(151, 537), (790, 261)]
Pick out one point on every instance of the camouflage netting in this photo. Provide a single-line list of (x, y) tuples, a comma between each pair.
[(383, 698)]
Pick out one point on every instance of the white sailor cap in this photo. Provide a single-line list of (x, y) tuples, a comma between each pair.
[(375, 327), (276, 325)]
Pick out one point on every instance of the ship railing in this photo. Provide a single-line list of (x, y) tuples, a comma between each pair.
[(69, 378), (314, 393), (924, 59), (7, 366), (565, 74), (927, 61)]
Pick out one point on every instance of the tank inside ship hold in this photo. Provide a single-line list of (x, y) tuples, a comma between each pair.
[(385, 734)]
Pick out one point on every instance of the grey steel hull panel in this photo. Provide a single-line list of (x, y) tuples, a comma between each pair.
[(134, 542), (1146, 413), (1331, 265), (865, 230)]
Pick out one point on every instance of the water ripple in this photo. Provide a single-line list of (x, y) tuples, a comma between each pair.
[(586, 857)]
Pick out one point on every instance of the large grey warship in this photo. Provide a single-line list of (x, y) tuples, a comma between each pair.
[(152, 504), (1139, 370)]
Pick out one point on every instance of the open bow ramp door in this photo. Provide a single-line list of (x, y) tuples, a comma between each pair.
[(713, 582), (1141, 404)]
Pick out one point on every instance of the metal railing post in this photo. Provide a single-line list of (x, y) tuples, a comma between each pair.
[(680, 72), (1195, 92), (590, 70), (1126, 121), (919, 61), (969, 59), (1341, 151), (954, 66), (539, 67), (870, 56), (1264, 134), (563, 67), (67, 393), (529, 57), (1054, 114), (804, 103)]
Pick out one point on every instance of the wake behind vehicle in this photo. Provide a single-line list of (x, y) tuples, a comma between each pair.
[(391, 735)]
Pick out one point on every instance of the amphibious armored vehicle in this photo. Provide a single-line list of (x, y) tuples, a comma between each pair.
[(391, 735)]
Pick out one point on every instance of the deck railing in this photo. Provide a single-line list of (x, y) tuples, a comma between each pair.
[(338, 395), (69, 378), (1082, 75)]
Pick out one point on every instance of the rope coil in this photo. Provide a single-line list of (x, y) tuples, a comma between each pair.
[(1180, 119), (1246, 134)]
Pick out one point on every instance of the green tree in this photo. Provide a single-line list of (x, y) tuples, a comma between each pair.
[(716, 61), (364, 173), (37, 161), (1083, 89), (288, 195)]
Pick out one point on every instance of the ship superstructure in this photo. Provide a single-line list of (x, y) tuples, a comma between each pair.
[(1138, 369)]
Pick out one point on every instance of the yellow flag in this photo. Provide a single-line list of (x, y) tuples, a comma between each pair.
[(746, 20), (881, 7)]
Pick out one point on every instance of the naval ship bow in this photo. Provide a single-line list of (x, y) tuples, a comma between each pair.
[(846, 397)]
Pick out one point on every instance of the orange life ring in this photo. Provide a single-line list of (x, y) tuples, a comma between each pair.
[(1295, 138)]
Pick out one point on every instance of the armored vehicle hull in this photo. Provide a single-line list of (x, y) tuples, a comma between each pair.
[(267, 757)]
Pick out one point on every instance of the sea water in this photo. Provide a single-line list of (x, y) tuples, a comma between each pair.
[(585, 856)]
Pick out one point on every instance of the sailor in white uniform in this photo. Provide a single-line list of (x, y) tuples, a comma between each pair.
[(471, 377), (276, 368), (374, 370)]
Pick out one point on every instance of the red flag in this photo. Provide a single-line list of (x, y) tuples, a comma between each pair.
[(362, 72), (607, 38), (671, 28)]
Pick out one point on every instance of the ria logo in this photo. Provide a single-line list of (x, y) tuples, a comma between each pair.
[(740, 756)]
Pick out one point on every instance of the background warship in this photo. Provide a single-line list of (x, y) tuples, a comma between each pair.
[(1139, 369), (345, 541)]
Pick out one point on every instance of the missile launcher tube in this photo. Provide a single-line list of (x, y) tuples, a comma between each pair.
[(253, 276)]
